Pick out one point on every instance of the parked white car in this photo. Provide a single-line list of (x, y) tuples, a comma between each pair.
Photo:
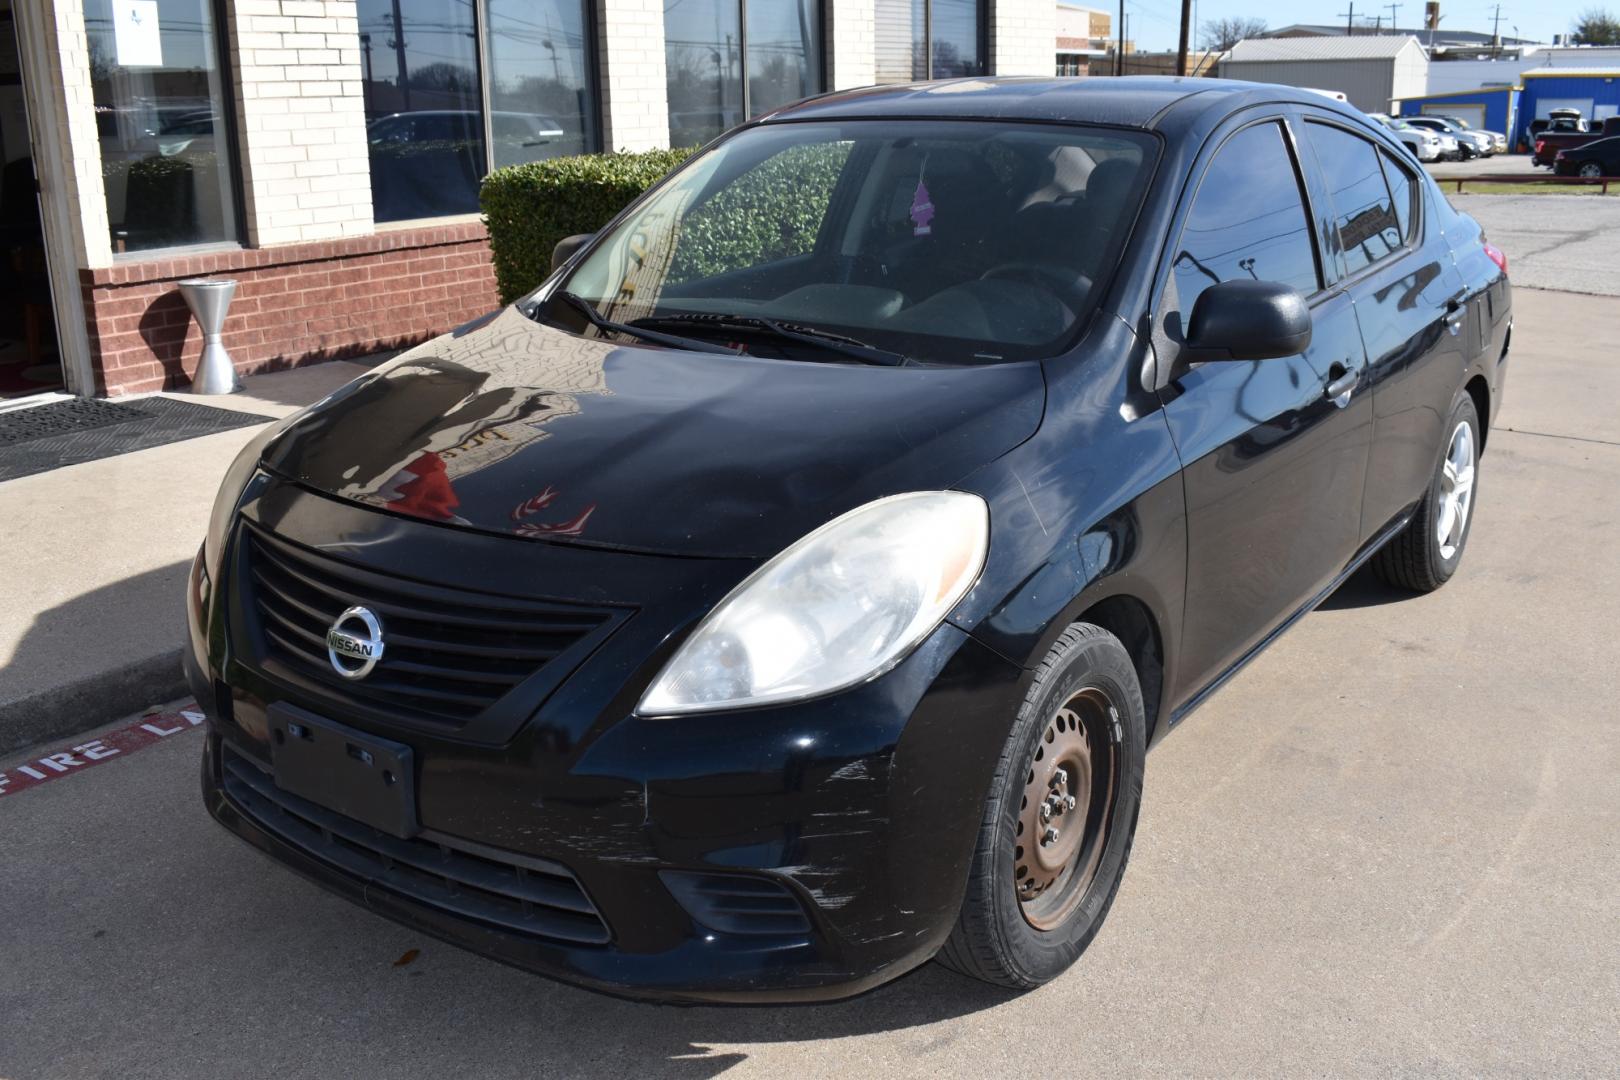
[(1499, 143), (1471, 143), (1426, 146)]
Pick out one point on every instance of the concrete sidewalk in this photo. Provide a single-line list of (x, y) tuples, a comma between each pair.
[(93, 560)]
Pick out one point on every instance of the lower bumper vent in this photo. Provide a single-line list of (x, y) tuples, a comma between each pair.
[(738, 904)]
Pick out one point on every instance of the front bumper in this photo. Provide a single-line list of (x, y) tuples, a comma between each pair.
[(857, 812)]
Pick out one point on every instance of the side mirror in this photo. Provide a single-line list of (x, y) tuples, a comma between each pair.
[(567, 246), (1248, 320)]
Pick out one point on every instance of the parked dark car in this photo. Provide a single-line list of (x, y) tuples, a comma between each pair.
[(788, 591), (1548, 144), (1600, 158)]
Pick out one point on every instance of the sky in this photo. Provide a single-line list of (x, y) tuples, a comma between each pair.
[(1155, 24)]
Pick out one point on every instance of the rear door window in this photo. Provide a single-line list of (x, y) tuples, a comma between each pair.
[(1363, 212), (1247, 220), (1403, 188)]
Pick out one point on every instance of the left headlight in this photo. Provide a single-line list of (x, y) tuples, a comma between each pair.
[(838, 607)]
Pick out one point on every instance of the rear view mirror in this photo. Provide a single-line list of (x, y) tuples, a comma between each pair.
[(567, 246), (1248, 320)]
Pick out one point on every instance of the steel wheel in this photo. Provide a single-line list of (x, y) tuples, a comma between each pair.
[(1456, 490), (1071, 785), (1592, 169)]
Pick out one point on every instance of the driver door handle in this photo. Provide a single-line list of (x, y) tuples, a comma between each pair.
[(1341, 386)]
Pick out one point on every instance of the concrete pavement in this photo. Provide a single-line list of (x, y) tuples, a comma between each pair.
[(1390, 847), (1565, 242), (95, 565)]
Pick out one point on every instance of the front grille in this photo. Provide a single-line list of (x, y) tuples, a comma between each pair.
[(535, 897), (449, 654)]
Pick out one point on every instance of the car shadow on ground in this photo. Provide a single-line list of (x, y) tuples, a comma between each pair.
[(1363, 589)]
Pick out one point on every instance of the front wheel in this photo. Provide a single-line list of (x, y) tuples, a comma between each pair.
[(1423, 556), (1057, 828)]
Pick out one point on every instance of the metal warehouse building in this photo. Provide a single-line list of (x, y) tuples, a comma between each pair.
[(1370, 71)]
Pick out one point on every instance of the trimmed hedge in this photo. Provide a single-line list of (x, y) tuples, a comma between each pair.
[(528, 208)]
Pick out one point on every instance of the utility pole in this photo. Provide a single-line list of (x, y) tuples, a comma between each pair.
[(1119, 50), (1393, 25), (1496, 21), (1181, 50), (1378, 25), (1350, 20)]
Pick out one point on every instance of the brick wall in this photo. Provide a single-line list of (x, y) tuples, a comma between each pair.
[(851, 43), (1023, 34), (630, 55), (297, 304), (305, 170)]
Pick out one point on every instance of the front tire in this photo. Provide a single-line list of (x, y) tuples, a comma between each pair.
[(1057, 828), (1423, 556)]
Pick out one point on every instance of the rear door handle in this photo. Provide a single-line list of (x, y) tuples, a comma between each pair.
[(1341, 386)]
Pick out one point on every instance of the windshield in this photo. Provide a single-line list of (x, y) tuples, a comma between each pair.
[(928, 241)]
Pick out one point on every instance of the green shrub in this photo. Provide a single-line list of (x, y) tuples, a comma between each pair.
[(530, 207)]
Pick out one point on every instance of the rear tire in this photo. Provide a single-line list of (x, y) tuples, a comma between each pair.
[(1035, 898), (1423, 556), (1591, 169)]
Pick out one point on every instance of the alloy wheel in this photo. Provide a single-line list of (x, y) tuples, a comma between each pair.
[(1591, 168), (1456, 490), (1071, 785)]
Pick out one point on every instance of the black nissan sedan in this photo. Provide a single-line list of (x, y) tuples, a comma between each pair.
[(787, 592)]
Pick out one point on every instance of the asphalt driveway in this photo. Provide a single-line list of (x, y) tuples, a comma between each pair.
[(1390, 847)]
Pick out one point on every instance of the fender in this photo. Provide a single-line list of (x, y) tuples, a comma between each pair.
[(1090, 509)]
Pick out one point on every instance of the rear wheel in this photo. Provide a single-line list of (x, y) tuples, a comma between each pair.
[(1591, 169), (1057, 829), (1423, 556)]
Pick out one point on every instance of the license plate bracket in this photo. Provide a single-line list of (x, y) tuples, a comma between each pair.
[(361, 776)]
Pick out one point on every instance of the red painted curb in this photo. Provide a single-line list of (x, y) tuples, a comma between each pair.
[(117, 743)]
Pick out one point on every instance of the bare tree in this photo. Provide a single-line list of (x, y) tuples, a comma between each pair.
[(1595, 26), (1222, 34)]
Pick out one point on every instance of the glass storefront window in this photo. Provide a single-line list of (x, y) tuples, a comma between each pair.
[(929, 39), (784, 53), (539, 81), (424, 98), (160, 114), (728, 60)]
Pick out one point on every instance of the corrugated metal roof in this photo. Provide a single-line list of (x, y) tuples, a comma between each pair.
[(1372, 47)]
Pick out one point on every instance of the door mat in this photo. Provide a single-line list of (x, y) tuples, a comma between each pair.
[(46, 437)]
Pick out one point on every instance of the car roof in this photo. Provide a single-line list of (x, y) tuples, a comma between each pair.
[(1141, 101)]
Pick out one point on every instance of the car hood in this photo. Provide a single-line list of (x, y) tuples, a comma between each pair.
[(511, 426)]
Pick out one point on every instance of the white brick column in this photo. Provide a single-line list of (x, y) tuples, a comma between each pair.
[(62, 113), (851, 37), (630, 57), (1023, 37), (301, 121)]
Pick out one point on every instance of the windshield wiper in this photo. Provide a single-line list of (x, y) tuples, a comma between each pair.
[(602, 322), (807, 335)]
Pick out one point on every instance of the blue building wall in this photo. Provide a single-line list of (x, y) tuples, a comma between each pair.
[(1501, 106), (1602, 89)]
